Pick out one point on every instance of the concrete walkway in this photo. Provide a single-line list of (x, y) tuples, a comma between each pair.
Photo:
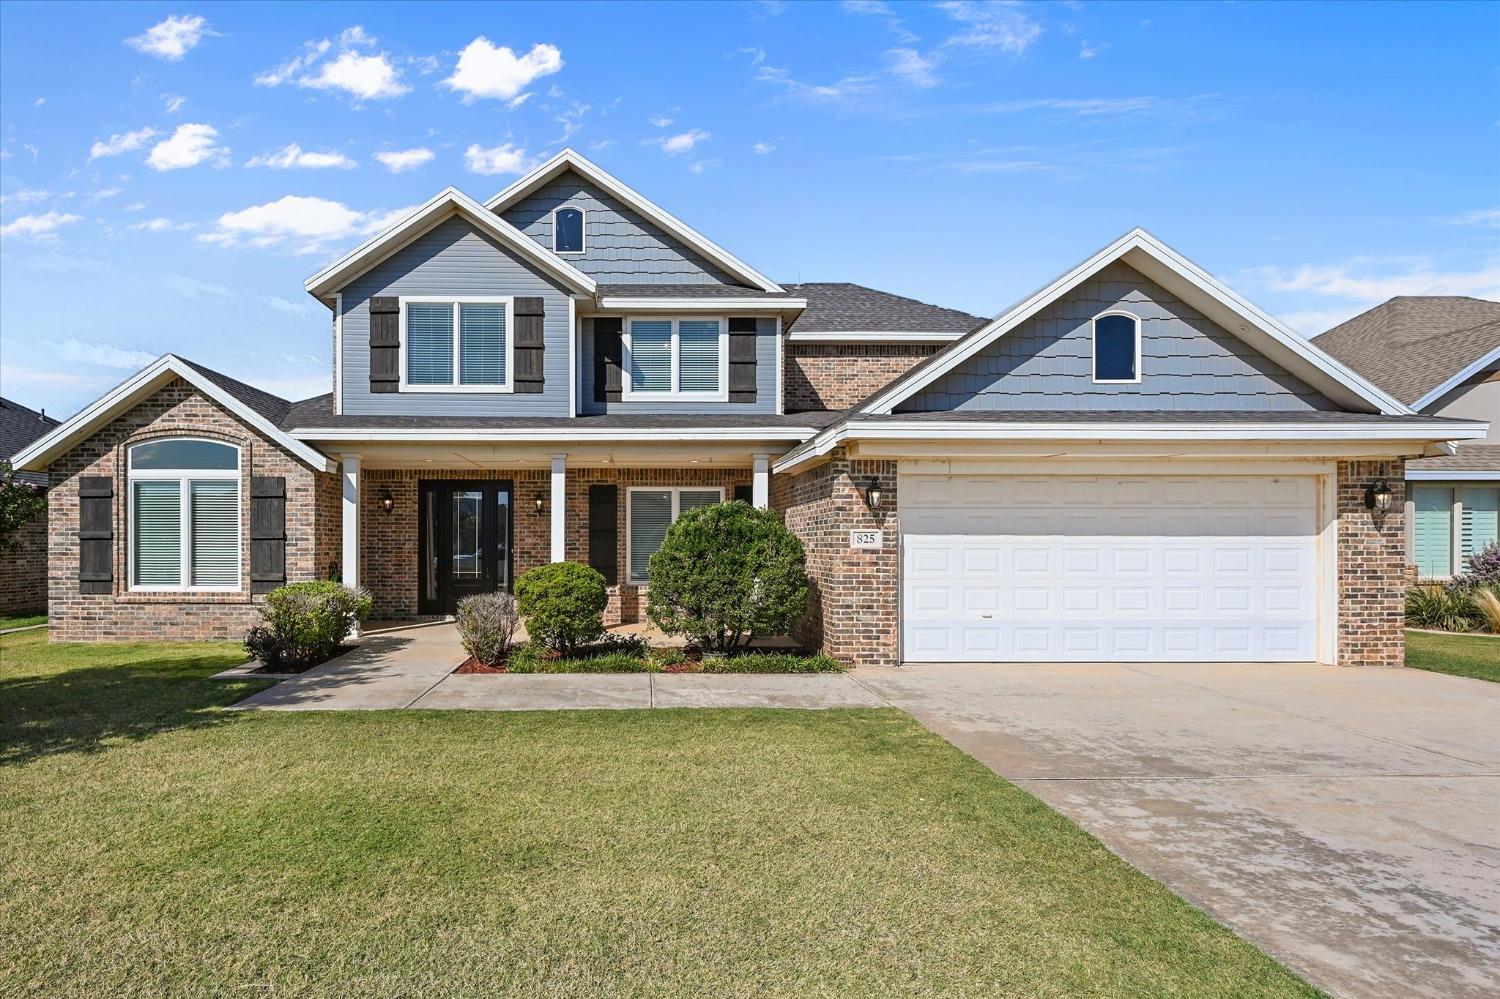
[(1346, 821)]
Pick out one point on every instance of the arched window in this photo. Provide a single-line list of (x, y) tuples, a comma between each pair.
[(567, 230), (1117, 348), (184, 515)]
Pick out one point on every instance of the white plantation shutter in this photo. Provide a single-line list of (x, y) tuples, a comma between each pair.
[(698, 355), (1432, 546), (158, 533), (481, 347), (651, 355), (429, 343), (692, 499), (650, 516), (215, 506)]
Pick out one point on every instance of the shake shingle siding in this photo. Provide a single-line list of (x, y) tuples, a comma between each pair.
[(620, 246), (765, 381), (1187, 362), (454, 259)]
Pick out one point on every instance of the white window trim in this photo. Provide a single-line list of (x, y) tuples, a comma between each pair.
[(1094, 348), (583, 231), (184, 477), (454, 386), (1455, 522), (676, 493), (673, 394)]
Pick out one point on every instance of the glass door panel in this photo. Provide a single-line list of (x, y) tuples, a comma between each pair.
[(464, 542)]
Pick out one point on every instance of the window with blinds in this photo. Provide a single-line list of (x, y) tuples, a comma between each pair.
[(698, 350), (1432, 531), (215, 538), (158, 533), (1480, 521), (456, 345), (184, 515), (651, 355), (429, 343), (677, 357), (481, 344), (651, 512)]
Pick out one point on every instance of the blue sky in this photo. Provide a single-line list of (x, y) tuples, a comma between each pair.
[(172, 174)]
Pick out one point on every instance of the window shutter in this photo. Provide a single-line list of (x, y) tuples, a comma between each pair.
[(744, 494), (267, 532), (742, 359), (529, 345), (385, 344), (96, 534), (609, 356), (604, 532)]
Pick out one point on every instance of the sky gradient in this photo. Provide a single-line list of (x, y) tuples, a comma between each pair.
[(171, 175)]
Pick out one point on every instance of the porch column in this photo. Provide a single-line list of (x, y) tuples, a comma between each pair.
[(559, 507), (351, 519), (760, 487)]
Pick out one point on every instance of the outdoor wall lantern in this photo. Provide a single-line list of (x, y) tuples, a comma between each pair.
[(872, 494), (387, 501), (541, 504), (1378, 496)]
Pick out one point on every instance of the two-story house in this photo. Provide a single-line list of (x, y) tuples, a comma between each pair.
[(1133, 463)]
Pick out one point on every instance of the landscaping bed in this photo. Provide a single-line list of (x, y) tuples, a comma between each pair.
[(636, 657)]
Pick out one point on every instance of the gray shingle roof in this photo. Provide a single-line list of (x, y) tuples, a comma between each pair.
[(1412, 344), (272, 407), (19, 426), (1151, 416), (1468, 458), (685, 291), (840, 307)]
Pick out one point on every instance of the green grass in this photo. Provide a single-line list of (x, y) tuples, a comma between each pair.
[(530, 658), (153, 845), (1477, 656), (21, 620)]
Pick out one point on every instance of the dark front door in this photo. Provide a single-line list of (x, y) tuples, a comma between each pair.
[(465, 541)]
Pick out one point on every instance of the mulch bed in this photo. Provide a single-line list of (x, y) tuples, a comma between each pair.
[(472, 665), (282, 669)]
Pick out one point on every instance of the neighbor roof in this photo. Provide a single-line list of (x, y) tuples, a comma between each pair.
[(1469, 461), (19, 426), (841, 307), (1417, 347)]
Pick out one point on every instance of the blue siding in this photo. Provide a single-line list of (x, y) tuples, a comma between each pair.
[(620, 246), (765, 380), (1187, 362), (454, 259)]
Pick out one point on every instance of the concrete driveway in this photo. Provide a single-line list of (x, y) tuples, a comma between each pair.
[(1346, 821)]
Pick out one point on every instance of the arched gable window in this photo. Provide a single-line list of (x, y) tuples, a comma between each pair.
[(1117, 348), (184, 515), (567, 230)]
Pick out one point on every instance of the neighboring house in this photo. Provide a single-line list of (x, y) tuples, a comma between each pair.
[(1440, 355), (23, 568), (1133, 463)]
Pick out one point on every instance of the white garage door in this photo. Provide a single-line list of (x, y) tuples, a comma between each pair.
[(1097, 569)]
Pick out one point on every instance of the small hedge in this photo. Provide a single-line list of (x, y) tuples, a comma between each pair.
[(630, 656), (563, 604), (306, 623)]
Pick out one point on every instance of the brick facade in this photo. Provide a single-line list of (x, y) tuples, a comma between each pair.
[(176, 410), (23, 571), (1372, 574), (836, 376)]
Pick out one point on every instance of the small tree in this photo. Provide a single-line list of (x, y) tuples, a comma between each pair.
[(563, 604), (20, 504), (726, 574)]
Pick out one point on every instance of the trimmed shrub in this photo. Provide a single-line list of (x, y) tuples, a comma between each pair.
[(1483, 570), (1444, 608), (305, 623), (725, 574), (487, 624), (563, 604)]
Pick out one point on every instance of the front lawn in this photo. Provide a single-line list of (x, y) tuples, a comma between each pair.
[(21, 620), (151, 844), (1477, 656)]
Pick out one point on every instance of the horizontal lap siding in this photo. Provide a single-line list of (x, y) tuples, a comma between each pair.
[(765, 381), (1187, 361), (453, 259)]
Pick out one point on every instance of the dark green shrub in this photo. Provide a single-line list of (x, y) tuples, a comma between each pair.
[(725, 574), (487, 624), (1444, 608), (305, 623), (563, 604)]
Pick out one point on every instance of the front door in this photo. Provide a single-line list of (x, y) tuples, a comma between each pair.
[(464, 542)]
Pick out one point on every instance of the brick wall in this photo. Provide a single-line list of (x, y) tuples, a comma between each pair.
[(853, 607), (178, 409), (23, 570), (836, 376), (1372, 572)]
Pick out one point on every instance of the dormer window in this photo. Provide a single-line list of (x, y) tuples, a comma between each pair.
[(1117, 348), (567, 230)]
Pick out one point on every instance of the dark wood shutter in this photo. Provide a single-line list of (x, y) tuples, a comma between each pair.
[(744, 494), (529, 344), (742, 359), (604, 531), (385, 344), (609, 359), (96, 534), (267, 532)]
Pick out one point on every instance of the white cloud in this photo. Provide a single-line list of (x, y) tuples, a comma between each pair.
[(301, 224), (284, 73), (676, 145), (883, 11), (134, 206), (159, 225), (1489, 217), (172, 38), (571, 120), (703, 165), (194, 288), (401, 160), (991, 26), (841, 89), (26, 195), (37, 226), (487, 70), (370, 77), (287, 306), (104, 194), (913, 67), (504, 158), (660, 120), (294, 156), (39, 102), (102, 355), (1087, 50), (122, 143), (173, 102), (762, 148), (187, 147), (1360, 281)]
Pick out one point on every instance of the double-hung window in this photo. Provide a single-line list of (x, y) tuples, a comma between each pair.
[(684, 359), (650, 512), (184, 515), (1450, 525), (455, 344)]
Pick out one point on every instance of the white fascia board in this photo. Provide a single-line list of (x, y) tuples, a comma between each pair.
[(870, 336), (1141, 241), (480, 434), (436, 209), (1457, 379), (1422, 475), (703, 304), (568, 158), (64, 436)]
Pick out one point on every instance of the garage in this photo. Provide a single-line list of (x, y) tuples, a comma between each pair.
[(1095, 568)]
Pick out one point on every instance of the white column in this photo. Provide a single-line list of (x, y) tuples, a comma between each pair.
[(760, 487), (351, 518), (559, 507)]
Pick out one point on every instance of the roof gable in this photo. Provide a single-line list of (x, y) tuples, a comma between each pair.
[(19, 426), (1418, 348), (1189, 283)]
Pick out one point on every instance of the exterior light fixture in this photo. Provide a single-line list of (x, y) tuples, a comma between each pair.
[(387, 501), (872, 494), (1378, 496), (541, 504)]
